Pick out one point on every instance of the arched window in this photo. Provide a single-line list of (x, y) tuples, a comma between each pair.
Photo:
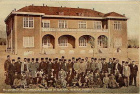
[(102, 41), (63, 41), (82, 41), (46, 41)]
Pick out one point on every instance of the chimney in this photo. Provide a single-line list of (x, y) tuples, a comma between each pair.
[(78, 7), (32, 4), (43, 4), (93, 9), (61, 6), (123, 14), (15, 9)]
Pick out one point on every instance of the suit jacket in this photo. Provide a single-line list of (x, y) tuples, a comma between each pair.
[(133, 70), (43, 65), (12, 68), (119, 67), (7, 64), (64, 66), (18, 67)]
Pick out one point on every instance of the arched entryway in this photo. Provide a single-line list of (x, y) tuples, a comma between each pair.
[(66, 41), (102, 41), (87, 41), (48, 41)]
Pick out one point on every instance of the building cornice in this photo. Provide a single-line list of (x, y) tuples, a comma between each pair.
[(61, 16)]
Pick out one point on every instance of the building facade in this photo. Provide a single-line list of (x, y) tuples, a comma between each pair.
[(57, 31)]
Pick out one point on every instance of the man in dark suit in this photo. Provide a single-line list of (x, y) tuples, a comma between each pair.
[(18, 66), (64, 65), (56, 67), (49, 64), (6, 68), (133, 73), (12, 72), (43, 65)]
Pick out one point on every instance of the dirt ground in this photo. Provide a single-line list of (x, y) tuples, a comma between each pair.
[(132, 53)]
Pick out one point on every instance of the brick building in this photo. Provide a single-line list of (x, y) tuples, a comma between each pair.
[(57, 31)]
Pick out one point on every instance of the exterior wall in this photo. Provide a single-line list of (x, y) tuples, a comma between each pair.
[(28, 32), (71, 31)]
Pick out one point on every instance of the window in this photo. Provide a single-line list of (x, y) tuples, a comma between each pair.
[(82, 24), (62, 24), (63, 41), (117, 42), (28, 41), (46, 41), (117, 25), (82, 41), (28, 22), (46, 24), (102, 41), (97, 25)]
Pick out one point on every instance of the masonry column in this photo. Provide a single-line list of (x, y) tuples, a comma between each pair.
[(56, 43), (11, 41), (15, 22)]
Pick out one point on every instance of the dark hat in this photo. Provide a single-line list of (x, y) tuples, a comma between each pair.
[(69, 59), (13, 59), (114, 58), (8, 55), (77, 59), (95, 58), (18, 57), (42, 58), (104, 58), (36, 59), (73, 57), (24, 58), (59, 59), (56, 58), (50, 59), (46, 58), (63, 57), (28, 59), (92, 58), (32, 58), (82, 59), (123, 61), (126, 62)]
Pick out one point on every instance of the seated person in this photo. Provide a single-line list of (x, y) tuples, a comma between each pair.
[(120, 80), (23, 80), (112, 82), (17, 81)]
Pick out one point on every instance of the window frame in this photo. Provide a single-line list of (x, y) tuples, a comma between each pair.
[(117, 25), (81, 23), (96, 24), (26, 22), (45, 22), (63, 43), (27, 41), (65, 24), (83, 43)]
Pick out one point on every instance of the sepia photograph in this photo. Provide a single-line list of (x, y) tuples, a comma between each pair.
[(52, 46)]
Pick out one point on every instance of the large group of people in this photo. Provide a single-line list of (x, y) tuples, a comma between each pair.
[(75, 72)]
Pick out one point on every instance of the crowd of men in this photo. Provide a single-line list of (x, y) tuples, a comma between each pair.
[(75, 72)]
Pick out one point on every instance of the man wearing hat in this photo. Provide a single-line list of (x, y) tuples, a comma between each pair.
[(49, 65), (56, 67), (6, 68), (37, 64), (12, 72), (18, 66), (69, 65), (92, 65), (43, 65), (24, 66), (64, 65), (110, 66), (99, 65), (104, 65), (133, 73)]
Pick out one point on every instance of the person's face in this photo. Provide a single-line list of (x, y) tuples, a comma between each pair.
[(86, 59), (18, 59), (92, 59), (13, 62), (25, 60), (110, 60), (8, 58)]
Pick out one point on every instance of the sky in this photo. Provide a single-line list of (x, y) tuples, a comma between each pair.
[(131, 9)]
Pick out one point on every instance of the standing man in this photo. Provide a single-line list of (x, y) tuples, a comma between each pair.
[(110, 66), (12, 72), (43, 65), (126, 73), (104, 65), (49, 66), (117, 67), (6, 68), (92, 65), (133, 73), (18, 66), (99, 65), (24, 66)]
